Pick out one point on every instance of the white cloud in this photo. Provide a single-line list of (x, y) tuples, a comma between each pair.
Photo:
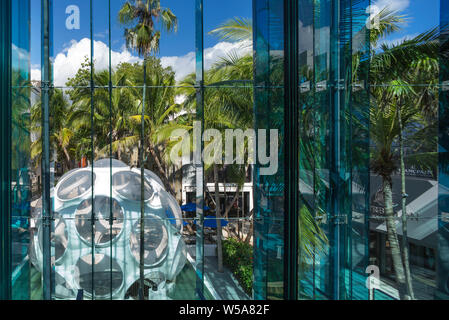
[(183, 65), (68, 62), (35, 75), (395, 5), (19, 54)]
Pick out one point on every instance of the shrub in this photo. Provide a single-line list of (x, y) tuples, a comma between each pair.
[(238, 257)]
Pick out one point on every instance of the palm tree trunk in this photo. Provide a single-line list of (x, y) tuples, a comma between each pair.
[(251, 227), (161, 170), (218, 215), (405, 254), (230, 205), (67, 156), (393, 239)]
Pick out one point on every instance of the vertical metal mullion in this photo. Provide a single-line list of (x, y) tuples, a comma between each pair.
[(199, 170), (314, 176), (442, 291), (291, 144), (111, 217), (348, 78), (45, 161), (142, 185), (5, 149), (92, 135), (334, 108)]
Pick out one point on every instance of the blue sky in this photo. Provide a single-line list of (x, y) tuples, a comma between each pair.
[(176, 49), (173, 45), (421, 15)]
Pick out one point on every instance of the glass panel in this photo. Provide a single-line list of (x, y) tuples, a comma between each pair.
[(102, 192), (312, 239), (228, 117), (333, 167), (228, 42), (23, 186), (442, 255), (269, 115), (403, 199), (359, 115), (322, 22), (228, 251)]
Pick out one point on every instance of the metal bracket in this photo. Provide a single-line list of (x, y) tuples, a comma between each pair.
[(340, 219), (93, 220), (111, 220), (358, 86), (304, 87), (45, 85), (321, 86), (46, 220), (445, 85), (199, 85), (340, 84)]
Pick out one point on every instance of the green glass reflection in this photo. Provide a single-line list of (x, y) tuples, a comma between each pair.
[(269, 114)]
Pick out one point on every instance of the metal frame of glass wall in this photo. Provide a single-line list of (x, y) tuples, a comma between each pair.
[(48, 89), (325, 129), (5, 147), (312, 84)]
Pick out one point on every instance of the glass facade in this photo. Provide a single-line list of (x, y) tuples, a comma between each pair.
[(121, 178)]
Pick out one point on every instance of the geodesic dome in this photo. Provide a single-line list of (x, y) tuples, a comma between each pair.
[(99, 256)]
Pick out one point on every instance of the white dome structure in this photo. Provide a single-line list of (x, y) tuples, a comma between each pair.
[(100, 256)]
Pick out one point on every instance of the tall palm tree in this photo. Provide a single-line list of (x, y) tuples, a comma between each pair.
[(394, 110), (142, 35), (61, 135), (235, 99), (400, 106)]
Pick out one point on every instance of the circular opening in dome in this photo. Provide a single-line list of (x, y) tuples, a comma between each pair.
[(103, 231), (59, 237), (75, 185), (155, 241), (100, 281), (106, 163), (153, 282), (127, 184)]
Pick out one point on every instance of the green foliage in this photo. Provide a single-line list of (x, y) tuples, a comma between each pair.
[(141, 18), (236, 29), (238, 257)]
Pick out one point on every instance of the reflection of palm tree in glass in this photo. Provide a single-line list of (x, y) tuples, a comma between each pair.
[(312, 239), (401, 114)]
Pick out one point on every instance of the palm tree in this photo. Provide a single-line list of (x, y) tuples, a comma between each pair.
[(394, 110), (402, 113), (397, 107), (123, 105), (236, 29), (142, 35), (160, 103), (228, 104), (61, 136)]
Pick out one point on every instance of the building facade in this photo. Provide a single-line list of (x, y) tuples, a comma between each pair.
[(354, 109)]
